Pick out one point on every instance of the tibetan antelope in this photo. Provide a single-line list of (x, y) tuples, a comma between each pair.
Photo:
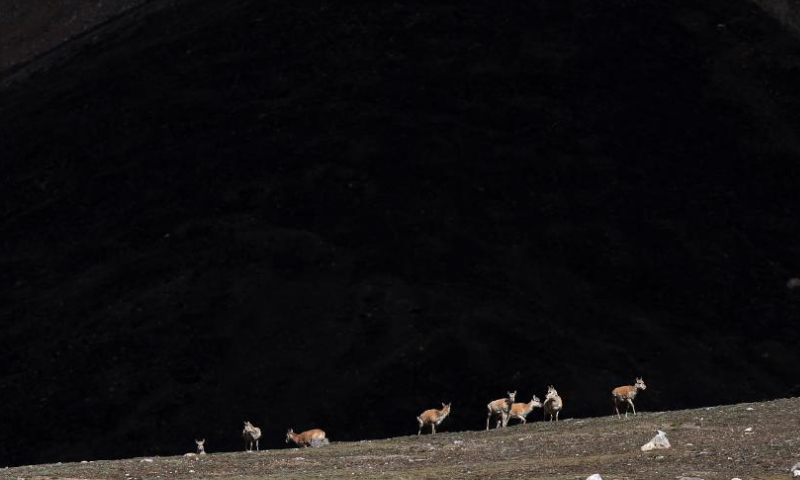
[(624, 396), (310, 438), (552, 404), (521, 410), (250, 434), (433, 417), (499, 409), (201, 449)]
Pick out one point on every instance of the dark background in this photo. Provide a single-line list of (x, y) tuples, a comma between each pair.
[(337, 215)]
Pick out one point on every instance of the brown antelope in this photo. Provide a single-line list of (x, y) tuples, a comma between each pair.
[(250, 434), (310, 438), (552, 404), (201, 449), (521, 410), (499, 409), (624, 396), (433, 417)]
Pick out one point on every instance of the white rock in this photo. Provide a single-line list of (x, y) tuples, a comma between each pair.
[(749, 409), (748, 429), (657, 443), (596, 476)]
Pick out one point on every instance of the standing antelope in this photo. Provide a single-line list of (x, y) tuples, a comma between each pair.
[(433, 417), (201, 449), (626, 394), (552, 404), (310, 438), (499, 409), (250, 434), (521, 410)]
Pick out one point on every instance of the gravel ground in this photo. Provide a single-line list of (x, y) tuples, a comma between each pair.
[(757, 440)]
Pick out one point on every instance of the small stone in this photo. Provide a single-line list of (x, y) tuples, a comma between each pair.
[(595, 476), (749, 409), (748, 429), (658, 442)]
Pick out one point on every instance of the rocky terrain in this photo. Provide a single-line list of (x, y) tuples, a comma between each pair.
[(748, 441)]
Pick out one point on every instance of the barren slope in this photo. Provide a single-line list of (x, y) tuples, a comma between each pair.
[(29, 28), (711, 443)]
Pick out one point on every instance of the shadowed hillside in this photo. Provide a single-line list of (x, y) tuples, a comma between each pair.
[(756, 440), (30, 28), (290, 214)]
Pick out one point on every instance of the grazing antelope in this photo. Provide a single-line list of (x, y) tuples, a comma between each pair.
[(552, 404), (309, 438), (251, 435), (521, 410), (433, 417), (499, 409), (201, 449), (624, 396)]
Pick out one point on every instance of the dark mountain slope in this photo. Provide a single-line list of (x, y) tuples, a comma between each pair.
[(337, 216)]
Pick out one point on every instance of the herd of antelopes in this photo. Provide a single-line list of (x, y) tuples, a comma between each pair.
[(503, 410)]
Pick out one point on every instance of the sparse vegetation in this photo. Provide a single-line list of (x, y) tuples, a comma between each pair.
[(709, 443)]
